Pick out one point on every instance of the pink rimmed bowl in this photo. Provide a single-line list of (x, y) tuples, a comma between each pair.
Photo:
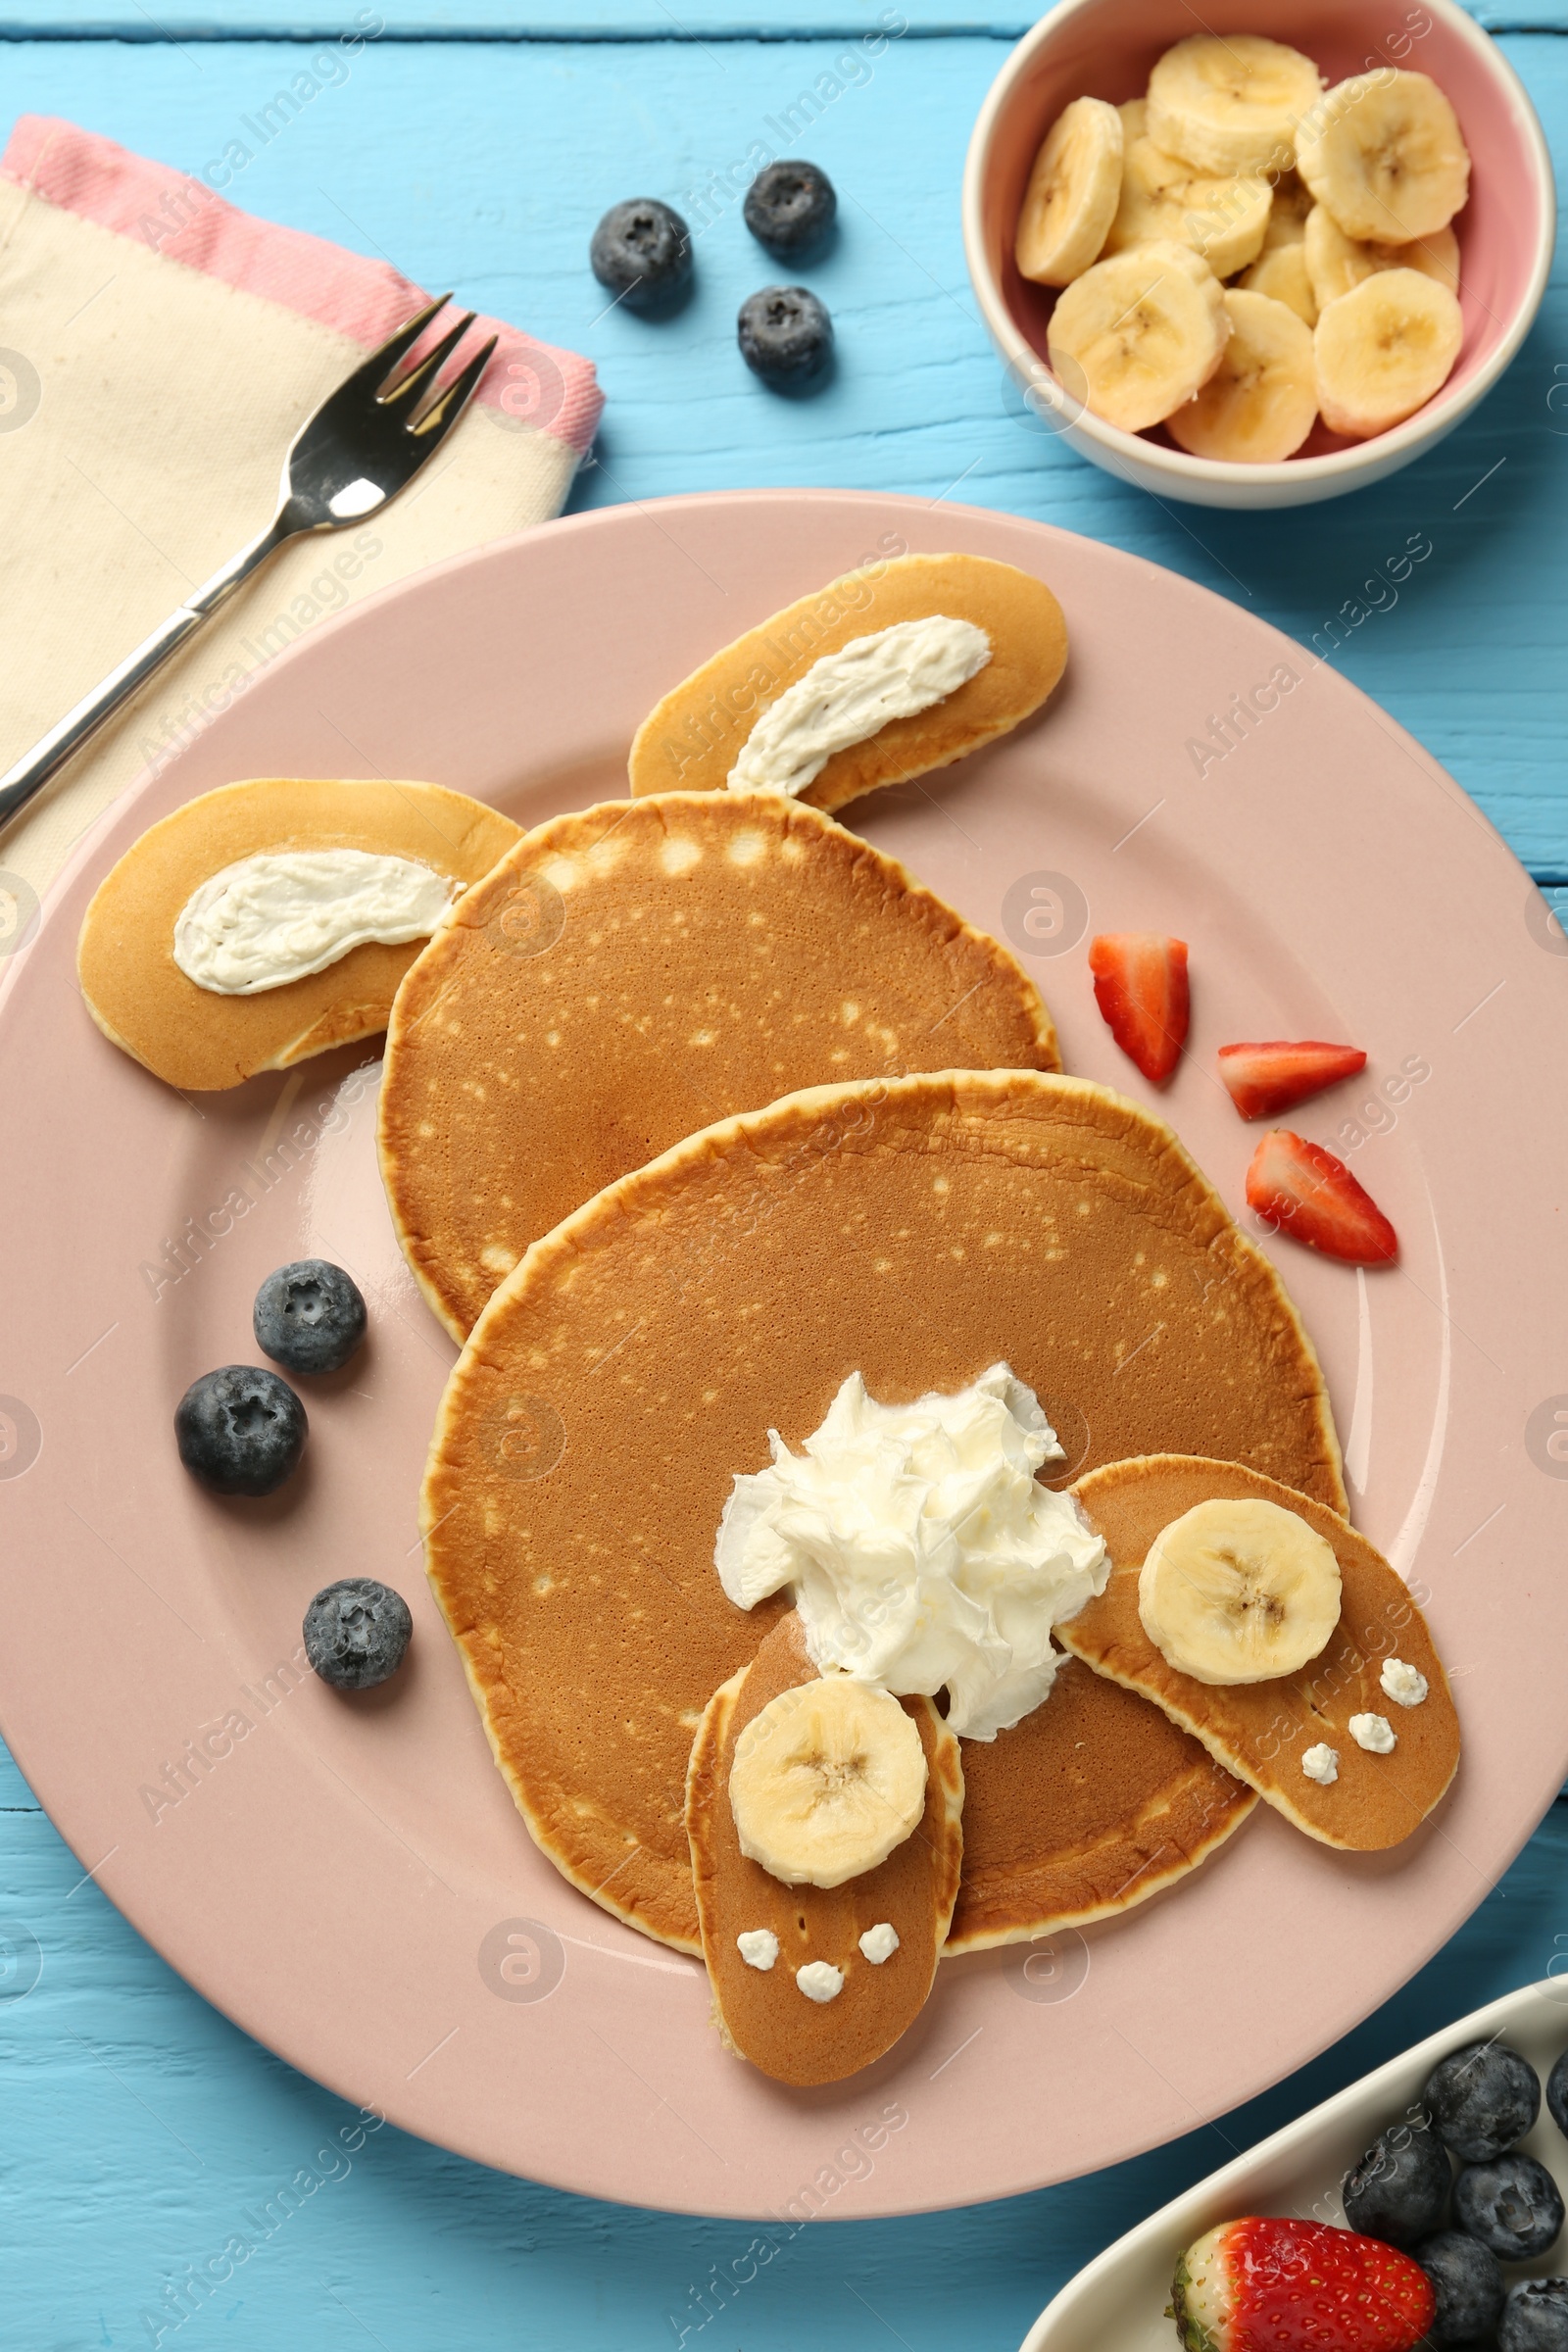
[(1104, 49)]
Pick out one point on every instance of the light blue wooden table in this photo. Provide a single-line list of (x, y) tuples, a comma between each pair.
[(475, 146)]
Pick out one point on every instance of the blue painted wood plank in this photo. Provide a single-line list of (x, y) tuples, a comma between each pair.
[(144, 2132), (551, 20)]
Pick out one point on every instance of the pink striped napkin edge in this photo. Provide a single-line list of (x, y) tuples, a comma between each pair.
[(78, 172)]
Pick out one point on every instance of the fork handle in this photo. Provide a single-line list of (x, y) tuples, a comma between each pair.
[(50, 753)]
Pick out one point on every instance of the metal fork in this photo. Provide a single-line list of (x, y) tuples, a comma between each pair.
[(364, 444)]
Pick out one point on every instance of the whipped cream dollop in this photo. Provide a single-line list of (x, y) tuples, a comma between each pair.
[(1321, 1764), (286, 913), (846, 696), (1405, 1685), (879, 1943), (923, 1554), (1374, 1733), (758, 1947), (820, 1981)]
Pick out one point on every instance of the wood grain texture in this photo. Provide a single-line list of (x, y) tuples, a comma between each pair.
[(143, 2130)]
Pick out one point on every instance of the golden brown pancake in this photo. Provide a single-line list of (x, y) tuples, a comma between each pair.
[(691, 740), (1260, 1730), (1093, 1803), (681, 959), (916, 1231), (762, 2014), (191, 1036)]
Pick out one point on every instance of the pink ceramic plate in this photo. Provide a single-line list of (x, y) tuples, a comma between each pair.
[(348, 1880)]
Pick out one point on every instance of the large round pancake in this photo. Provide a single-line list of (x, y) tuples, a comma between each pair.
[(143, 1001), (762, 2014), (915, 1230), (684, 957), (1260, 1730), (691, 740), (1093, 1803)]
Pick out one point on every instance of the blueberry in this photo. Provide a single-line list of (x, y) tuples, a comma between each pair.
[(1557, 2093), (789, 207), (1399, 2189), (1482, 2100), (642, 251), (355, 1633), (241, 1430), (785, 334), (1513, 2205), (1468, 2284), (1535, 2318), (309, 1316)]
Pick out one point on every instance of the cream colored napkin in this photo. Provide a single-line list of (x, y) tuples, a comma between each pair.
[(158, 351)]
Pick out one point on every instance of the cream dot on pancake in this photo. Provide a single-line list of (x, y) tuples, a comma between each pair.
[(758, 1947), (679, 854), (820, 1981), (879, 1943)]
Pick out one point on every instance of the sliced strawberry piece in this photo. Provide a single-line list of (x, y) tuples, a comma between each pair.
[(1265, 1079), (1305, 1192), (1267, 2286), (1141, 989)]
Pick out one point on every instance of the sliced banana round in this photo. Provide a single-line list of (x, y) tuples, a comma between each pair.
[(1231, 105), (827, 1781), (1239, 1593), (1138, 334), (1286, 215), (1386, 154), (1223, 220), (1384, 349), (1072, 198), (1260, 403), (1336, 263), (1283, 275)]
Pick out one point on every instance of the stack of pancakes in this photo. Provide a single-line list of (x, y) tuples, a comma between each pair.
[(694, 1106)]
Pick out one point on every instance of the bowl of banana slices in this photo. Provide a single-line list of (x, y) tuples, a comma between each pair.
[(1261, 264)]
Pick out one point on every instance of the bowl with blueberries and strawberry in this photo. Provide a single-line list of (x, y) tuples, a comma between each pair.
[(1439, 2211)]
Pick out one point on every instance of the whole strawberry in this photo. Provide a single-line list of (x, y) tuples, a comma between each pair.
[(1267, 2286)]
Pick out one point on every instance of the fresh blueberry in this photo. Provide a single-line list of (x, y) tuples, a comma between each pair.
[(789, 207), (642, 251), (309, 1316), (1557, 2093), (1399, 2189), (786, 336), (1513, 2205), (1535, 2318), (1468, 2284), (241, 1430), (355, 1633), (1482, 2100)]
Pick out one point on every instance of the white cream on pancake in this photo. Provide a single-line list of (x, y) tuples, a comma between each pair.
[(286, 914)]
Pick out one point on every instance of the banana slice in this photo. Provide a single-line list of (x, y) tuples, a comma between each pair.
[(1134, 113), (1163, 197), (1137, 335), (1386, 157), (1286, 215), (1336, 263), (1384, 349), (1238, 1592), (1260, 403), (1072, 198), (1232, 105), (1283, 275), (827, 1781)]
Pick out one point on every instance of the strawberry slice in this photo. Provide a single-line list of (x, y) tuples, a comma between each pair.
[(1141, 989), (1265, 1079), (1267, 2285), (1304, 1191)]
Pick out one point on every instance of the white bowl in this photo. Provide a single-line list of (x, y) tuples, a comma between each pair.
[(1104, 49), (1119, 2301)]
